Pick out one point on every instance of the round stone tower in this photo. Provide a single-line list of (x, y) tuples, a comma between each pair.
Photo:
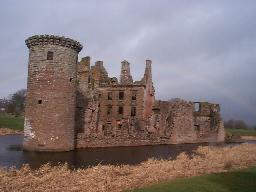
[(51, 93)]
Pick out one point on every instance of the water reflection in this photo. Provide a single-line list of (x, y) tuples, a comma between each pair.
[(11, 154)]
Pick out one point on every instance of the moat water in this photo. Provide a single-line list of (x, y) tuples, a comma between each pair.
[(11, 154)]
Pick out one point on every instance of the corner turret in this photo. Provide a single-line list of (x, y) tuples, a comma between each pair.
[(51, 93)]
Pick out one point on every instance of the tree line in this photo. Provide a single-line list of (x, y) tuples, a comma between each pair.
[(236, 124)]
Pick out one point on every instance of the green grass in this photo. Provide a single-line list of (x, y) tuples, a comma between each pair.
[(8, 121), (243, 180), (242, 132)]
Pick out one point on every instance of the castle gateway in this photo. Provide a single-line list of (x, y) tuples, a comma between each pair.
[(72, 104)]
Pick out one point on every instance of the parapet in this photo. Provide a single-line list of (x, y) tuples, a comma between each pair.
[(53, 40)]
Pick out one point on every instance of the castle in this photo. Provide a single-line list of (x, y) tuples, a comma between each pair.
[(72, 104)]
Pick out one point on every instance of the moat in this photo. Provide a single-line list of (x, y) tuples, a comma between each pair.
[(11, 154)]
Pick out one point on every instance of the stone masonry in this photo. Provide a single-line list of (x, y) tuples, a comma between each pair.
[(72, 104)]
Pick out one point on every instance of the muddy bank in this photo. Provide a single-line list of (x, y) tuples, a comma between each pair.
[(119, 178), (8, 131)]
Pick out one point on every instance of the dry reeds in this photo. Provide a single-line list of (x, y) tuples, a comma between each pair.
[(118, 178)]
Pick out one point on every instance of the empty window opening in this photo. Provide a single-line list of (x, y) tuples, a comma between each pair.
[(109, 95), (49, 55), (70, 79), (133, 95), (197, 107), (121, 95), (39, 101), (109, 109), (120, 110), (133, 111)]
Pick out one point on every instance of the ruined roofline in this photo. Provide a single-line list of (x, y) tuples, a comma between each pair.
[(53, 40)]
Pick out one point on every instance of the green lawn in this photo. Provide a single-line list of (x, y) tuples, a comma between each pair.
[(242, 132), (235, 181), (8, 121)]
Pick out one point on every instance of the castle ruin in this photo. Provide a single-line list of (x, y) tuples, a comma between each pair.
[(72, 104)]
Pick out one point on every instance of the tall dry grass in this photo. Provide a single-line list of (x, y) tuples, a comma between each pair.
[(118, 178)]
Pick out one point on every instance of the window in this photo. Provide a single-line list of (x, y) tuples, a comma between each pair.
[(49, 55), (70, 79), (39, 101), (133, 95), (197, 107), (109, 109), (120, 110), (109, 95), (121, 95), (133, 111)]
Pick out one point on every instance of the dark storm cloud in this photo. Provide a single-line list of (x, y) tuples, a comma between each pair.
[(201, 50)]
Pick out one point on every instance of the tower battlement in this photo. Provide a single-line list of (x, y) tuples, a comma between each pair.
[(53, 40)]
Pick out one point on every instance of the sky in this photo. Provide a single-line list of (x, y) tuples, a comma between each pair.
[(201, 50)]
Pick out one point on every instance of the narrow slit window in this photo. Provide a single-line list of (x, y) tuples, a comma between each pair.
[(133, 111), (40, 101), (49, 55), (121, 95), (120, 110)]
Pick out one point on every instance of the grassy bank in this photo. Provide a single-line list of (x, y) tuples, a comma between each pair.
[(12, 122), (235, 181), (241, 132), (126, 177)]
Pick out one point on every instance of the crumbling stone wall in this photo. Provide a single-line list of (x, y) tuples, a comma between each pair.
[(180, 121), (116, 111), (208, 122), (155, 122)]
